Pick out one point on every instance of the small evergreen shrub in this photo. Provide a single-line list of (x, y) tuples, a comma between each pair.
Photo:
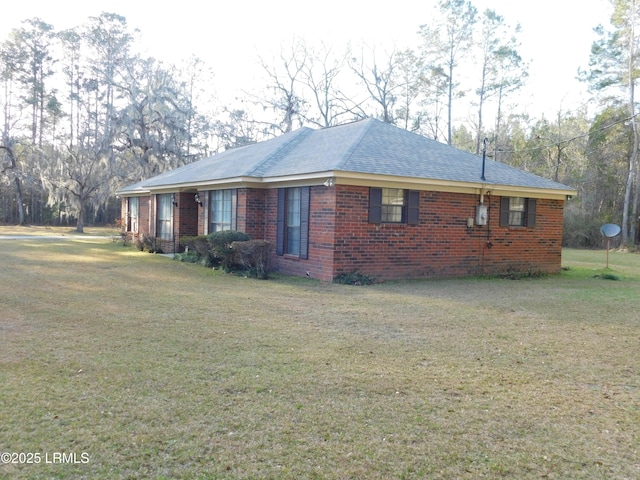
[(221, 251), (188, 257), (254, 256)]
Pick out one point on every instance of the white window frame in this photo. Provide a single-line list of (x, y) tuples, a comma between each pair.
[(220, 210), (164, 212)]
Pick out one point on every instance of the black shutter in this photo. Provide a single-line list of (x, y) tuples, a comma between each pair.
[(413, 207), (375, 205), (280, 222), (504, 211), (153, 200), (234, 208), (531, 212), (305, 202), (206, 212)]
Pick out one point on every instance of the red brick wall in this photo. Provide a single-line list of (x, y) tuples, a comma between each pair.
[(251, 212), (321, 225), (186, 218), (143, 214), (441, 244), (342, 241), (202, 212), (185, 215)]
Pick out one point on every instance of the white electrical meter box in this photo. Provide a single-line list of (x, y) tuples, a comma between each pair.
[(481, 215)]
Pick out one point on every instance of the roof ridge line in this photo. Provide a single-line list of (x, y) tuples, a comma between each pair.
[(370, 121), (298, 135)]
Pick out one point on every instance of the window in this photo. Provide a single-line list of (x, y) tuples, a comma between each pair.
[(165, 216), (222, 205), (292, 234), (394, 205), (293, 221), (132, 217), (517, 212)]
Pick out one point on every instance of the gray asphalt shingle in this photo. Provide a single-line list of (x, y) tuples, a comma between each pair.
[(366, 147)]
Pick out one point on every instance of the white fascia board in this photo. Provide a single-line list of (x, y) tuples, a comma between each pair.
[(133, 193), (250, 182), (370, 180), (367, 180)]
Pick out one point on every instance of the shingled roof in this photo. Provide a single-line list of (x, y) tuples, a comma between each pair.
[(366, 148)]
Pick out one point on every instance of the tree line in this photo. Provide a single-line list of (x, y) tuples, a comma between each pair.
[(84, 113)]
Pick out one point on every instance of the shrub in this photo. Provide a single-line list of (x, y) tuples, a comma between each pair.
[(353, 278), (517, 275), (188, 257), (254, 256), (198, 247), (118, 233), (147, 243), (121, 237), (220, 248)]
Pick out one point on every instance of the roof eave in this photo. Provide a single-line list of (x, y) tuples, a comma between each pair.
[(360, 179), (132, 193), (451, 186)]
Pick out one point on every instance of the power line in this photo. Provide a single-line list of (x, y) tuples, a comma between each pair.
[(568, 140)]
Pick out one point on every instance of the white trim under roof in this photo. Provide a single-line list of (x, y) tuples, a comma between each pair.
[(360, 179)]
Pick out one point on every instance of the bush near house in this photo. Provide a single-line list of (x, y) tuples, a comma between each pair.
[(230, 250), (220, 248), (254, 256), (196, 250), (147, 243), (216, 250), (353, 278)]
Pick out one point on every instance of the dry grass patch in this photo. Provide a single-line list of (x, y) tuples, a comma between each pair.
[(160, 369), (42, 231)]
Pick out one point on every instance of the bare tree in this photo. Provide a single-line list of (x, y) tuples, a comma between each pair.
[(379, 77), (411, 84), (236, 130), (283, 95), (501, 67), (320, 75), (190, 79), (445, 43)]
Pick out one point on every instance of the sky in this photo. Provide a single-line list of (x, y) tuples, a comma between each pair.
[(229, 35)]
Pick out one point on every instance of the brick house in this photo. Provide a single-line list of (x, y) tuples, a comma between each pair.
[(366, 197)]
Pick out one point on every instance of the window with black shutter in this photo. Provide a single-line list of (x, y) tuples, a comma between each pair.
[(517, 212), (292, 222), (394, 205)]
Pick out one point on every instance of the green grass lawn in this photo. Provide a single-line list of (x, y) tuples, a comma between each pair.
[(148, 368)]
